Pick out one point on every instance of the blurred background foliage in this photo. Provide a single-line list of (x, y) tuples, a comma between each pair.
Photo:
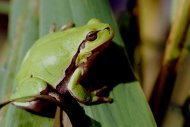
[(156, 35), (157, 38)]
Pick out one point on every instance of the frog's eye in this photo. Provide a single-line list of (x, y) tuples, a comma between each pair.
[(91, 36)]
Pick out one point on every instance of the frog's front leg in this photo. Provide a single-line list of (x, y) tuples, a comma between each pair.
[(81, 94)]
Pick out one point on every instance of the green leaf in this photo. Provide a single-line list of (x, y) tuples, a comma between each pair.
[(34, 19)]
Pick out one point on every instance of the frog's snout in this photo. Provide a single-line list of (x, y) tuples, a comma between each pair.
[(109, 29)]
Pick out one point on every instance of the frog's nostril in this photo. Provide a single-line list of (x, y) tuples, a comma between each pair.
[(107, 28)]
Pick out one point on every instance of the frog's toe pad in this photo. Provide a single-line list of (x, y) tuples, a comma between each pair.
[(102, 99)]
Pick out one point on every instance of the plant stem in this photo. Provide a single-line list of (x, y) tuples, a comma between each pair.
[(4, 7), (175, 44)]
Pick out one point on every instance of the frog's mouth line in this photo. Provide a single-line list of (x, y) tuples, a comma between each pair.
[(102, 47)]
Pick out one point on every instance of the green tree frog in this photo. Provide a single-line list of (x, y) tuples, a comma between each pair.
[(57, 62)]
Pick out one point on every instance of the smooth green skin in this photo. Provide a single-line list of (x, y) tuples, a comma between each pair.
[(49, 57)]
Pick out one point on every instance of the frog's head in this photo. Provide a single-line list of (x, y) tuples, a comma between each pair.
[(98, 36)]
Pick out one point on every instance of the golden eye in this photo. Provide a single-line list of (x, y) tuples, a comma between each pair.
[(91, 36)]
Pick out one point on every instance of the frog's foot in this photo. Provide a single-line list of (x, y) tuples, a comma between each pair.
[(52, 28), (97, 98), (63, 28), (99, 91), (67, 26)]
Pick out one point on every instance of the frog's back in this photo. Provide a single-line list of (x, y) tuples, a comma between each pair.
[(49, 57)]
